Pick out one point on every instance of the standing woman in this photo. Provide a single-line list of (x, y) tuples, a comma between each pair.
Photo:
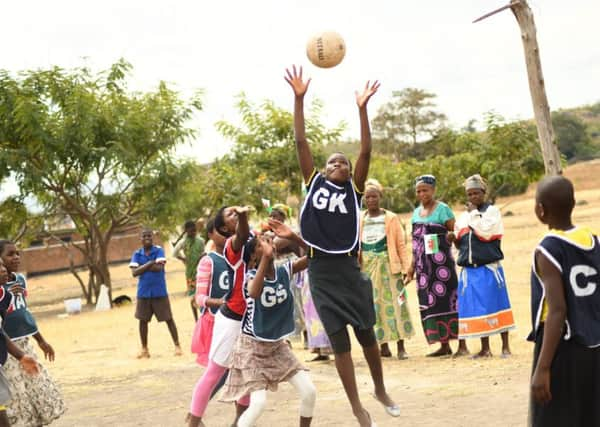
[(433, 265), (484, 308), (36, 399), (384, 259)]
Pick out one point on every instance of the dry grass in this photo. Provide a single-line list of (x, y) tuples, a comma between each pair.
[(105, 385)]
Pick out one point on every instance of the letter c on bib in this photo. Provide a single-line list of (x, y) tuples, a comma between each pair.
[(587, 271)]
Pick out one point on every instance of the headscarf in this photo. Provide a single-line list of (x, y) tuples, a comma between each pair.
[(425, 179), (374, 184), (285, 209), (475, 182)]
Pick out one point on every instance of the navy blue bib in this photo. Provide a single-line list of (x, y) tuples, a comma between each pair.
[(580, 271), (19, 321), (271, 316), (329, 218), (219, 285)]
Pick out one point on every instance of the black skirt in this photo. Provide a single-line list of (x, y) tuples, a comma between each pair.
[(342, 294), (574, 385)]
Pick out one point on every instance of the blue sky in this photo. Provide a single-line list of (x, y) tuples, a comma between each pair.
[(229, 46)]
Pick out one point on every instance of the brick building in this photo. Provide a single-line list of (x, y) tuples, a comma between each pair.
[(46, 255)]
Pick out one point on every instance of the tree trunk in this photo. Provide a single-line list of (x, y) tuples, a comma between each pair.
[(539, 99)]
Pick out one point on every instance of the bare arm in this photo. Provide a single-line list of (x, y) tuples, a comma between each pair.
[(255, 286), (45, 346), (242, 231), (141, 269), (553, 327), (285, 232), (364, 156), (300, 264), (294, 78), (12, 349), (27, 362), (451, 237)]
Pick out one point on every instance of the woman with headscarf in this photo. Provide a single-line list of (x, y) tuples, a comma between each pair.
[(434, 268), (483, 304), (384, 259)]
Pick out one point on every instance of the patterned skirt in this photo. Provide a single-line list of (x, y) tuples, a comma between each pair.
[(36, 399), (315, 332), (258, 365), (392, 316)]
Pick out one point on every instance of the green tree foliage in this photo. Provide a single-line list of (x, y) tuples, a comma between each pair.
[(262, 162), (506, 154), (572, 136), (16, 222), (83, 145), (410, 117)]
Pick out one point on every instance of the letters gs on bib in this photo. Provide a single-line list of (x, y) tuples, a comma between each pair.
[(270, 296)]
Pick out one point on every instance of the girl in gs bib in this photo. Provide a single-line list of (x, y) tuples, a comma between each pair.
[(262, 358)]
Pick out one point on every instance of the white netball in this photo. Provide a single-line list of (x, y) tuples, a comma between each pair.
[(326, 49)]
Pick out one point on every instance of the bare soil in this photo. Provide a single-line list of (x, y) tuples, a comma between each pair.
[(104, 384)]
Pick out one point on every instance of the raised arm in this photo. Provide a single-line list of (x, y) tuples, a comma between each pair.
[(242, 231), (364, 157), (294, 78), (256, 284), (285, 232)]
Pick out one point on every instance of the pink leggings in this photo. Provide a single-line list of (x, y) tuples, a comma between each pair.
[(205, 386)]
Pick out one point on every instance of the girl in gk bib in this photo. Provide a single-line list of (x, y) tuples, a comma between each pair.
[(329, 224)]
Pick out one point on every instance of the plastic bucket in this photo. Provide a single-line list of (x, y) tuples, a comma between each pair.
[(73, 305)]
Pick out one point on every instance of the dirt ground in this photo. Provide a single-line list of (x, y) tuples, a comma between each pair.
[(104, 384)]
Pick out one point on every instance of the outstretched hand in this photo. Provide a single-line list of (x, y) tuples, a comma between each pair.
[(280, 229), (294, 78), (363, 98), (241, 209)]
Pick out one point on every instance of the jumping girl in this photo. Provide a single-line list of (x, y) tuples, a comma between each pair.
[(329, 224)]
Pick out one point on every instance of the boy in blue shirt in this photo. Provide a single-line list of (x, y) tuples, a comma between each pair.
[(148, 265)]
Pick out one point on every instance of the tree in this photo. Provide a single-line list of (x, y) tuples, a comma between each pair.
[(410, 117), (16, 222), (571, 134), (506, 154), (82, 145), (262, 162)]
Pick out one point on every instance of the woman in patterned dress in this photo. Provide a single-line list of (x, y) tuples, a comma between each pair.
[(384, 259), (434, 268)]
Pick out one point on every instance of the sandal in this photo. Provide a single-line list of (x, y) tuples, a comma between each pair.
[(392, 410)]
